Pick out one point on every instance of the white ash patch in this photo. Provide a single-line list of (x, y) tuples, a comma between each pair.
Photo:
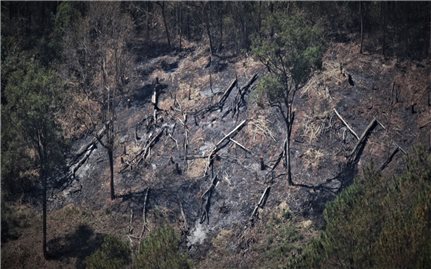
[(198, 234)]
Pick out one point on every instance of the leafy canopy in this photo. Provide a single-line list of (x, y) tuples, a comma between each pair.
[(113, 254), (161, 250), (31, 99), (378, 222), (291, 47)]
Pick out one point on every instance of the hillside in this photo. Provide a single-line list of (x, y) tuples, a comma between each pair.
[(209, 160)]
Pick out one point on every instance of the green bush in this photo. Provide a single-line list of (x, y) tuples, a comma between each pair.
[(378, 222), (161, 250), (112, 254)]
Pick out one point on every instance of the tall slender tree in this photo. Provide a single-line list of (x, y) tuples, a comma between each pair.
[(99, 63), (33, 98), (290, 50)]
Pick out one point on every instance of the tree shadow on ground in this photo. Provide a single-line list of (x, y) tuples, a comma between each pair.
[(79, 244)]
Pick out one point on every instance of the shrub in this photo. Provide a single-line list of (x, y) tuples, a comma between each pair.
[(378, 222), (161, 250), (113, 254)]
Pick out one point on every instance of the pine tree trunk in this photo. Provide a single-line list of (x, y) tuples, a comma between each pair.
[(147, 32), (44, 213), (362, 24), (111, 166), (221, 16), (287, 151), (383, 15), (207, 24), (165, 23)]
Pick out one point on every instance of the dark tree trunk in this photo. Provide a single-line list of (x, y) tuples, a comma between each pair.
[(162, 6), (206, 15), (111, 167), (42, 176), (180, 24), (383, 15), (221, 16), (287, 151), (362, 24), (44, 213), (289, 167), (428, 28), (148, 21)]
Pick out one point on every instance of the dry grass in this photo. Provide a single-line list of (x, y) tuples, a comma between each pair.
[(247, 67), (258, 129), (196, 168), (78, 116), (313, 126), (312, 157), (222, 239)]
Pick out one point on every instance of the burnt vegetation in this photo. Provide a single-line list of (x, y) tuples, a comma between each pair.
[(216, 134)]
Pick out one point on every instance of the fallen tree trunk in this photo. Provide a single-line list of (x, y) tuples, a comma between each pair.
[(219, 146), (220, 103), (386, 163), (394, 152), (240, 97), (142, 155), (260, 204), (144, 214), (231, 133), (87, 147), (241, 146), (357, 150), (226, 94), (206, 199), (346, 124), (76, 166)]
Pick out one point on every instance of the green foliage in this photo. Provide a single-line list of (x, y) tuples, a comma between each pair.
[(112, 254), (31, 97), (291, 49), (378, 222), (67, 14), (161, 250), (284, 240)]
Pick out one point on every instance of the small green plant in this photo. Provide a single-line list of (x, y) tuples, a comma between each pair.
[(161, 250), (113, 254)]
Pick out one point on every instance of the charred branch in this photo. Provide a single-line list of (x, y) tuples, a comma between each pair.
[(144, 214), (142, 155), (206, 199), (221, 144), (346, 124), (357, 150), (260, 204)]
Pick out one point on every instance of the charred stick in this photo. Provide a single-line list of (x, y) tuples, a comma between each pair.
[(346, 124), (386, 163), (363, 139), (144, 213)]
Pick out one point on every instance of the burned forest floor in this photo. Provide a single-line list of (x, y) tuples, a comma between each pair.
[(208, 162)]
